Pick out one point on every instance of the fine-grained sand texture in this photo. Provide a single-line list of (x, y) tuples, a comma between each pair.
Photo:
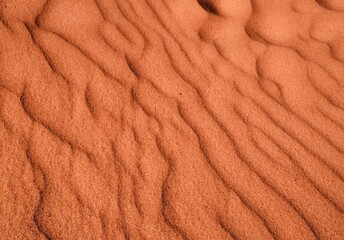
[(171, 119)]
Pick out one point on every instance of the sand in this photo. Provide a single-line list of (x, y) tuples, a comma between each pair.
[(183, 119)]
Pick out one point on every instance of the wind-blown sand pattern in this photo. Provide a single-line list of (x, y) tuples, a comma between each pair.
[(184, 119)]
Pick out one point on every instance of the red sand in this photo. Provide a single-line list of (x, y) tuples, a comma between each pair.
[(183, 119)]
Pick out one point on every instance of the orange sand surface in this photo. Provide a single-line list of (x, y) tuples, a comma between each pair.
[(171, 119)]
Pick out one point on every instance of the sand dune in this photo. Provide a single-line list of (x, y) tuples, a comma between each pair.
[(156, 119)]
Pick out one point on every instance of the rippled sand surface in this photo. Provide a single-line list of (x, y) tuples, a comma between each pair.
[(183, 119)]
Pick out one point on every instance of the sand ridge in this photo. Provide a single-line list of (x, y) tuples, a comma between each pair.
[(155, 119)]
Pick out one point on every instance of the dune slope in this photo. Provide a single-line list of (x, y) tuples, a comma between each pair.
[(156, 119)]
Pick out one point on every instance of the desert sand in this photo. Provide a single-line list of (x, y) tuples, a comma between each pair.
[(181, 119)]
